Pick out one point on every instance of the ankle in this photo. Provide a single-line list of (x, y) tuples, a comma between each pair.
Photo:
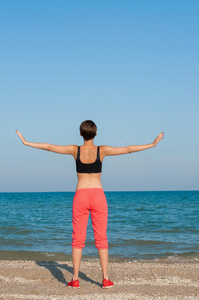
[(106, 277), (75, 278)]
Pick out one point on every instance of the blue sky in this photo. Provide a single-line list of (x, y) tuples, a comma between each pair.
[(130, 66)]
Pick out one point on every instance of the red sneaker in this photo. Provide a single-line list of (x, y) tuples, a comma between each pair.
[(74, 284), (107, 284)]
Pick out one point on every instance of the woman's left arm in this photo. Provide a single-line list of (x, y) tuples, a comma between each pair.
[(69, 149)]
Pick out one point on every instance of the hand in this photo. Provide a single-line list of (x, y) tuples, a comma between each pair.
[(21, 137), (159, 138)]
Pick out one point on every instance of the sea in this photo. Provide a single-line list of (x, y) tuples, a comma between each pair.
[(142, 225)]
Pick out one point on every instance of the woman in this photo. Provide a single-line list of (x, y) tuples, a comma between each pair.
[(89, 194)]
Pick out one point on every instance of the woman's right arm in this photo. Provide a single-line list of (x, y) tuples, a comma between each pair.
[(42, 146), (108, 150), (68, 149)]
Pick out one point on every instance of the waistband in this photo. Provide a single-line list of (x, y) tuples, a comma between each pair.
[(91, 189)]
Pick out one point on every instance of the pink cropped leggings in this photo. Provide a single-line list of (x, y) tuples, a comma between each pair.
[(92, 199)]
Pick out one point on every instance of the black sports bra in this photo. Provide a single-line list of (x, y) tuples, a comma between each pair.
[(95, 167)]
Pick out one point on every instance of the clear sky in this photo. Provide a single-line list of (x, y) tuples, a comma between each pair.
[(130, 66)]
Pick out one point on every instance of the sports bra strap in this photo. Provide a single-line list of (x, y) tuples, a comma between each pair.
[(98, 155), (78, 152)]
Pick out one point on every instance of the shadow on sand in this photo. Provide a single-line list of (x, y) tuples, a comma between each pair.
[(55, 269)]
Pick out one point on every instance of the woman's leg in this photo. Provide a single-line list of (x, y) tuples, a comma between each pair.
[(80, 216), (103, 255), (76, 256), (99, 215)]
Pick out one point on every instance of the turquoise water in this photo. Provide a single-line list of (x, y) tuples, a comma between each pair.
[(141, 225)]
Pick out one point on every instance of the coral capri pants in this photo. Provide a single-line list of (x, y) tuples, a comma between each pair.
[(93, 200)]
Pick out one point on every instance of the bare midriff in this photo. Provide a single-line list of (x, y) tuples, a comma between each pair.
[(88, 180)]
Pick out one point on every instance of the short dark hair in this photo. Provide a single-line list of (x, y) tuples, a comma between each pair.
[(88, 130)]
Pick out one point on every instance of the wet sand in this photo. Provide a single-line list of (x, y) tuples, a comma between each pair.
[(41, 280)]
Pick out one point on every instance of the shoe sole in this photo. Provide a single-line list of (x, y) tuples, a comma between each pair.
[(74, 287), (107, 287)]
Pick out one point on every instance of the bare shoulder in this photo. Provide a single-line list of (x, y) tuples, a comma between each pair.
[(74, 149), (68, 149), (106, 150)]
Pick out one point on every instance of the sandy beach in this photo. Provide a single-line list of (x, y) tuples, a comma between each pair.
[(23, 279)]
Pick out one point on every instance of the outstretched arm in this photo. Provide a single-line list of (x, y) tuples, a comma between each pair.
[(69, 149), (108, 150)]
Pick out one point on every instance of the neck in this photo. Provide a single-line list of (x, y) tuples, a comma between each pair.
[(88, 143)]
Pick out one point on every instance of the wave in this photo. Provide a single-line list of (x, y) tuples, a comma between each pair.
[(139, 242), (169, 257)]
